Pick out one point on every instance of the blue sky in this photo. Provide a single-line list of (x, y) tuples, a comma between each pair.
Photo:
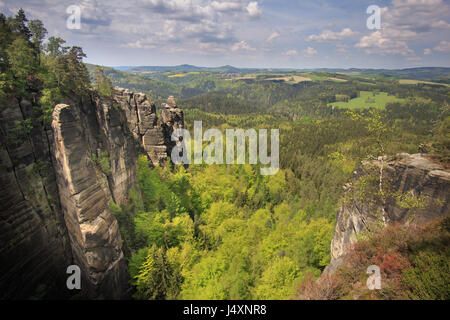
[(255, 33)]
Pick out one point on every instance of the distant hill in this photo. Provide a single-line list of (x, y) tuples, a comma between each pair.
[(180, 68), (424, 73), (411, 73), (124, 79)]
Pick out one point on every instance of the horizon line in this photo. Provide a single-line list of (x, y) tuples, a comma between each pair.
[(291, 68)]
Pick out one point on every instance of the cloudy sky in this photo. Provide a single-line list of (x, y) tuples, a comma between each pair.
[(251, 33)]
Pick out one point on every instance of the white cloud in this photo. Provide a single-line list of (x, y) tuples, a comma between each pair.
[(93, 14), (420, 16), (443, 46), (189, 10), (290, 53), (406, 21), (273, 36), (328, 35), (201, 26), (377, 42), (342, 48), (253, 10), (309, 52), (226, 6), (242, 46), (214, 27), (140, 44)]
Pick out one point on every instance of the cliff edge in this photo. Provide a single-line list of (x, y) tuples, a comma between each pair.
[(57, 181), (415, 189)]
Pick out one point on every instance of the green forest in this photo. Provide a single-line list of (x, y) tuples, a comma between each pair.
[(225, 231)]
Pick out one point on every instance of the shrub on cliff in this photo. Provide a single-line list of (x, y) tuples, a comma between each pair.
[(414, 263)]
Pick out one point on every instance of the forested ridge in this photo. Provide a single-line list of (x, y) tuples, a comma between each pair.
[(227, 233)]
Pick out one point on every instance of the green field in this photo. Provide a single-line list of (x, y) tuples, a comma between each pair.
[(367, 99), (321, 76), (409, 81)]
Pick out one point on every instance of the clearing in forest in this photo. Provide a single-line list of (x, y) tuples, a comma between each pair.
[(367, 99)]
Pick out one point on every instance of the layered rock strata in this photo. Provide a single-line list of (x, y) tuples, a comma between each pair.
[(56, 185)]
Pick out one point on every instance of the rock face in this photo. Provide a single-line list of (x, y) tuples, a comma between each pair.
[(152, 133), (419, 191), (57, 183), (92, 229), (34, 246), (172, 118)]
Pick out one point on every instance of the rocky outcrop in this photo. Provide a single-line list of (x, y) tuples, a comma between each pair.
[(93, 231), (120, 146), (34, 246), (56, 185), (152, 133), (172, 118), (416, 190)]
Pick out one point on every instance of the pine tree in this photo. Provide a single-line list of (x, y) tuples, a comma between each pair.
[(19, 24), (38, 33)]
